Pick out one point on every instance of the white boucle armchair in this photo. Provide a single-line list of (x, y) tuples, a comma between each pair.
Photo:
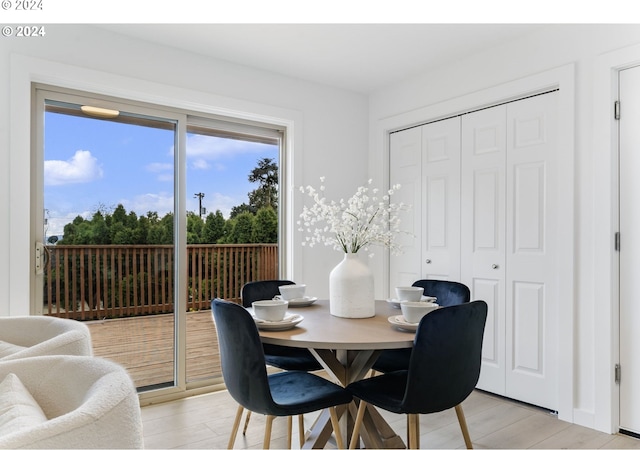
[(28, 336), (82, 402)]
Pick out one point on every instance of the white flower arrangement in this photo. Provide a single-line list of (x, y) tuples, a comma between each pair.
[(352, 225)]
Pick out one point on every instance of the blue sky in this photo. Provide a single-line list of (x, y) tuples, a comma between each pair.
[(91, 163)]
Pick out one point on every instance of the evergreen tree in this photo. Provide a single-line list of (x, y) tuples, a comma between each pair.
[(213, 228), (141, 232), (195, 225), (266, 175), (119, 215), (100, 231), (265, 228), (228, 235), (166, 224), (237, 210), (243, 229)]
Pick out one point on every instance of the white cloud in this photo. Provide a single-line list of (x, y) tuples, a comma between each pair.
[(161, 203), (81, 168), (200, 164), (164, 170), (56, 220), (210, 148), (159, 167)]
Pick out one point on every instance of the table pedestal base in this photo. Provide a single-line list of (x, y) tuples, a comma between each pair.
[(347, 366), (375, 431)]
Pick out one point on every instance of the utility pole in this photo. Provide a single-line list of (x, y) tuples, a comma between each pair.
[(199, 195)]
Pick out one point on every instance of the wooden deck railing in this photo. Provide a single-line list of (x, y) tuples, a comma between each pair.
[(88, 282)]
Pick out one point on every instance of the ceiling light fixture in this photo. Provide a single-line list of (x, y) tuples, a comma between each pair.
[(102, 113)]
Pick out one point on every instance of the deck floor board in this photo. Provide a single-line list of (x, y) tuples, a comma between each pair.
[(145, 346)]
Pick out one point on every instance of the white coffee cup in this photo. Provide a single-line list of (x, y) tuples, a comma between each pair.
[(292, 291), (409, 293), (270, 310), (413, 312)]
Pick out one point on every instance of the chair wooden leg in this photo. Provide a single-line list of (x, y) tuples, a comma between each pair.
[(267, 432), (335, 423), (289, 430), (463, 426), (355, 436), (246, 422), (408, 429), (301, 429), (414, 431), (236, 425)]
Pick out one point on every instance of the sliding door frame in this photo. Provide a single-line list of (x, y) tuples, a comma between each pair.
[(26, 71)]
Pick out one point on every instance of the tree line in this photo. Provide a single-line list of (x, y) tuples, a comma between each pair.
[(252, 222)]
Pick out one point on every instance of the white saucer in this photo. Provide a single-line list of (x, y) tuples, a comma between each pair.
[(402, 324), (304, 301), (289, 321), (396, 303)]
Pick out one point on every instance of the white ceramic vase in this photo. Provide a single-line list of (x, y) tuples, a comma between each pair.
[(351, 289)]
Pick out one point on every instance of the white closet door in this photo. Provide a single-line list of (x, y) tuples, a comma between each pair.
[(441, 208), (497, 233), (531, 280), (629, 249), (405, 155), (483, 232)]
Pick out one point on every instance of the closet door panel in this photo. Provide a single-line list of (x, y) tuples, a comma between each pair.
[(528, 337), (441, 212), (492, 376), (487, 210), (531, 259), (483, 231), (529, 208), (405, 154)]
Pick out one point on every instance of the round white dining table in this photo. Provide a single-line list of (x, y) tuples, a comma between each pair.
[(347, 349)]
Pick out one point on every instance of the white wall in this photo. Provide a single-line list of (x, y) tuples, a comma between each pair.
[(552, 47), (330, 128)]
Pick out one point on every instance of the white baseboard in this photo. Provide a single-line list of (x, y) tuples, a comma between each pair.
[(584, 418)]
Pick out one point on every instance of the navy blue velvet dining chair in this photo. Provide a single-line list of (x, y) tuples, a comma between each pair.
[(443, 370), (448, 293), (285, 358), (244, 371)]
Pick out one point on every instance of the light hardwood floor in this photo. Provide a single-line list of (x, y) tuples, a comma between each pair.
[(205, 421)]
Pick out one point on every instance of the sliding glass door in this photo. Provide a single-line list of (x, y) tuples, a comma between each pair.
[(144, 214), (232, 224), (109, 189)]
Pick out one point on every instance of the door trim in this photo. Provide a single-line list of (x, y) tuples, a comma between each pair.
[(562, 78), (606, 223)]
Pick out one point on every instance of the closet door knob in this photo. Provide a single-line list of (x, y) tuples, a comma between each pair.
[(494, 266), (428, 261)]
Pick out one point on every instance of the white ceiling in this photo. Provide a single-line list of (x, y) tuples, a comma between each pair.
[(357, 57)]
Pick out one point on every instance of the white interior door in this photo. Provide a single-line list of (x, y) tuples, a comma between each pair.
[(629, 84), (531, 275), (405, 157), (483, 232), (441, 208)]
